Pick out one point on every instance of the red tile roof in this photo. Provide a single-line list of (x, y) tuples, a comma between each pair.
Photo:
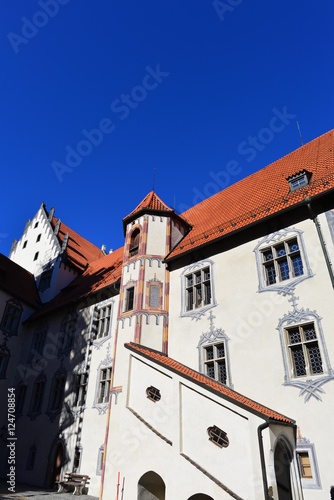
[(99, 274), (260, 195), (18, 282), (208, 383), (79, 251)]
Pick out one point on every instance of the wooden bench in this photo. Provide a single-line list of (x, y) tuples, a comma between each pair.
[(75, 481)]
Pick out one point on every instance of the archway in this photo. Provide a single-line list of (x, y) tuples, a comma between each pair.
[(57, 463), (200, 496), (282, 459), (151, 487)]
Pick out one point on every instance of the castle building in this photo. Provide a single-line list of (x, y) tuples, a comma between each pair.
[(194, 362)]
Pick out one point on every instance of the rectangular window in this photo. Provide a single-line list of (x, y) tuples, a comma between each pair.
[(215, 362), (38, 342), (103, 321), (129, 298), (67, 334), (104, 385), (304, 465), (57, 393), (45, 280), (37, 396), (198, 289), (36, 256), (80, 389), (11, 318), (282, 261), (304, 350), (154, 296)]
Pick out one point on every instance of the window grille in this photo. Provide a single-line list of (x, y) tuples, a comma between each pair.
[(11, 318), (103, 321), (218, 436), (104, 385), (153, 394), (198, 289), (282, 261), (215, 362), (154, 296), (304, 350)]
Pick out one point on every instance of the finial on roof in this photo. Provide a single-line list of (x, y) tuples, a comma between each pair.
[(300, 134), (153, 179)]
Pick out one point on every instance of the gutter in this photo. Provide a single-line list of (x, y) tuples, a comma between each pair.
[(321, 239), (261, 427)]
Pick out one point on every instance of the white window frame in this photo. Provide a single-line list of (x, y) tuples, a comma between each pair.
[(102, 382), (282, 236), (80, 389), (215, 360), (99, 465), (198, 267), (303, 344), (97, 336), (313, 483)]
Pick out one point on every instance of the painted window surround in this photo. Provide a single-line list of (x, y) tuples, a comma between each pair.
[(198, 266)]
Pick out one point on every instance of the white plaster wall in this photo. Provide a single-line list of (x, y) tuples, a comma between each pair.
[(156, 235), (250, 320)]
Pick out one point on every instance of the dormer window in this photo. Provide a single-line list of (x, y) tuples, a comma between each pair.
[(299, 180), (134, 242)]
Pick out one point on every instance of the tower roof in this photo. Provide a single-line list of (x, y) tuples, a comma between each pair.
[(150, 204)]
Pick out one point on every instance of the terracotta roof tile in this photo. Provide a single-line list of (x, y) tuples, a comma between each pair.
[(260, 195), (18, 282), (151, 202), (99, 274), (79, 251), (209, 383)]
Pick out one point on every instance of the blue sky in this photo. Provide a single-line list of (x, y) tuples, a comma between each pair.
[(96, 95)]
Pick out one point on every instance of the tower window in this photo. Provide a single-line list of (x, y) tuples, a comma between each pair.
[(129, 298), (134, 242)]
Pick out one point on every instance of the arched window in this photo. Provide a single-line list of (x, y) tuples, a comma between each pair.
[(134, 242), (151, 485)]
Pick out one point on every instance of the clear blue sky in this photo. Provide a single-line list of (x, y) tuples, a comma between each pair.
[(203, 93)]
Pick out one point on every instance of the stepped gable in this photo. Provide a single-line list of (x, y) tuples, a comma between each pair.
[(151, 204), (18, 282), (260, 195), (79, 251), (99, 274), (208, 383)]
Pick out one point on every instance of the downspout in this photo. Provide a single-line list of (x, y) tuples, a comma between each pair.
[(263, 463), (321, 238)]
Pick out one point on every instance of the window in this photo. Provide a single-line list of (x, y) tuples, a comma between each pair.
[(104, 385), (153, 394), (36, 256), (57, 392), (304, 465), (25, 244), (129, 298), (282, 261), (36, 225), (4, 357), (198, 289), (38, 238), (134, 242), (67, 333), (37, 396), (218, 436), (154, 296), (77, 459), (299, 180), (45, 280), (38, 342), (31, 458), (102, 322), (11, 318), (215, 362), (100, 460), (80, 389), (21, 392), (304, 350)]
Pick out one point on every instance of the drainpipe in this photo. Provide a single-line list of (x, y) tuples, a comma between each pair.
[(321, 238), (263, 464)]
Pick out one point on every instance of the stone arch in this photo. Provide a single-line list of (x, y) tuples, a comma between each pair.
[(151, 486), (282, 461)]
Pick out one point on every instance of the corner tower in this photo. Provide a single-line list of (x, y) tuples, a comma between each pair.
[(151, 230)]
